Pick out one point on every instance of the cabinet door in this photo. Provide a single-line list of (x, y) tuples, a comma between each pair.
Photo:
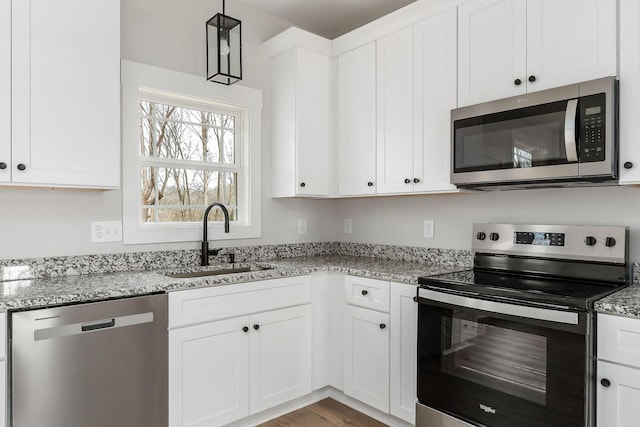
[(491, 50), (435, 95), (66, 93), (404, 350), (357, 121), (395, 112), (209, 373), (570, 41), (280, 356), (629, 90), (313, 123), (5, 90), (366, 361), (617, 404)]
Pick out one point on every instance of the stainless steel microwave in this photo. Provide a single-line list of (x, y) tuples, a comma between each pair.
[(557, 137)]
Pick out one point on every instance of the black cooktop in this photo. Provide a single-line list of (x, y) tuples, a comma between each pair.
[(509, 287)]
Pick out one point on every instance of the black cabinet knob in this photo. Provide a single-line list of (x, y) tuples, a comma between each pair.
[(628, 165), (3, 165), (416, 180), (494, 236), (517, 82), (245, 329), (590, 241), (605, 382), (302, 184), (609, 242), (256, 326), (407, 181), (369, 184), (21, 167), (481, 235), (532, 79), (382, 326), (365, 292)]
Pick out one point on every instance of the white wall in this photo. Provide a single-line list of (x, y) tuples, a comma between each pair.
[(169, 34), (399, 220)]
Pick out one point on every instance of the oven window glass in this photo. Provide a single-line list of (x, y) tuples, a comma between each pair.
[(517, 139), (488, 354)]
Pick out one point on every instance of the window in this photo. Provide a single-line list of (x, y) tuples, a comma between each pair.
[(188, 144)]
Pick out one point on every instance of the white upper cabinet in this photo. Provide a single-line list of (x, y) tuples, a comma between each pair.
[(301, 115), (510, 47), (65, 99), (491, 49), (357, 121), (629, 92), (395, 112), (435, 83), (5, 90)]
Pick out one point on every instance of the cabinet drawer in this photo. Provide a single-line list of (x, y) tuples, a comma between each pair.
[(367, 293), (619, 339), (194, 306)]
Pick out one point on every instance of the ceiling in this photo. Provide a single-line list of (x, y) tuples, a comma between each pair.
[(327, 18)]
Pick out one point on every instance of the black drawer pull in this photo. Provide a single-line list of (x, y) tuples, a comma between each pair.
[(256, 326), (364, 292), (103, 325), (605, 382), (245, 329), (382, 326)]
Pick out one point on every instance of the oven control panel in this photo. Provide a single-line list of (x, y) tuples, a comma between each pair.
[(579, 242), (538, 238)]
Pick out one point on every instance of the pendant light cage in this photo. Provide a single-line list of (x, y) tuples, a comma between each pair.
[(224, 49)]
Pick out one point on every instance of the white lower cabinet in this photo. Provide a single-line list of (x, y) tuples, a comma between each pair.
[(618, 401), (222, 370), (209, 373), (380, 339), (618, 371), (280, 362), (403, 352), (366, 363)]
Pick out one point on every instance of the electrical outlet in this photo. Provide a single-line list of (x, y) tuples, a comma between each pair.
[(429, 228), (302, 226), (106, 231), (347, 225)]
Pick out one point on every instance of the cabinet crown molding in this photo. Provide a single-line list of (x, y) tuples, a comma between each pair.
[(296, 37)]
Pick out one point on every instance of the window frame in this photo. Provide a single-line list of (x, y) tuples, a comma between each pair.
[(137, 78)]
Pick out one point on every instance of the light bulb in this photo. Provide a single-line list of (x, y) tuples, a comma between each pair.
[(224, 47)]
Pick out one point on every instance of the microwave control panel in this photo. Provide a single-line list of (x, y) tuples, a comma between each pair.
[(592, 128)]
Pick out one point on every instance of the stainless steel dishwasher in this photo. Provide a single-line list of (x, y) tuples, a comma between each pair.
[(100, 364)]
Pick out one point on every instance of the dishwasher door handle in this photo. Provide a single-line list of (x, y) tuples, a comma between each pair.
[(80, 328), (100, 325)]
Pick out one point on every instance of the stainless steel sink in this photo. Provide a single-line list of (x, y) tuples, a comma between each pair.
[(218, 272)]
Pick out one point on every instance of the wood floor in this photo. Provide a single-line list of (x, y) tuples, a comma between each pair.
[(327, 412)]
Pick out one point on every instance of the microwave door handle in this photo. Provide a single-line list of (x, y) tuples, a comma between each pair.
[(571, 148)]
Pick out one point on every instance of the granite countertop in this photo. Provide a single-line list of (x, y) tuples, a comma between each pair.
[(625, 302), (39, 293)]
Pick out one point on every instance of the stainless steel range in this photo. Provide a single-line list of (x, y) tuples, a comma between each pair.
[(511, 341)]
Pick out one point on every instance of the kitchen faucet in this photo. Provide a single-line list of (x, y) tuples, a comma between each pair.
[(205, 243)]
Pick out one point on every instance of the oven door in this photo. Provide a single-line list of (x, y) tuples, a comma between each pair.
[(503, 365)]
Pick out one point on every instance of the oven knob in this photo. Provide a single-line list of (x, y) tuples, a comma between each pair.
[(481, 236), (494, 236), (609, 242), (590, 240)]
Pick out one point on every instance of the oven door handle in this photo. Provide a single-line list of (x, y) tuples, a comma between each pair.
[(566, 317), (570, 145)]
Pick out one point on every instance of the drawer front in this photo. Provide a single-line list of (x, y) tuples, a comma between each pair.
[(619, 339), (193, 306), (367, 293)]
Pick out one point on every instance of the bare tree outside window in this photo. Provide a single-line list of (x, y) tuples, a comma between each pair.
[(188, 160)]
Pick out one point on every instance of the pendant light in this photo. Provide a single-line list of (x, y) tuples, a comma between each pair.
[(224, 49)]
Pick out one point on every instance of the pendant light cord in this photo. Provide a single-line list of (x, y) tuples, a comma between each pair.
[(223, 12)]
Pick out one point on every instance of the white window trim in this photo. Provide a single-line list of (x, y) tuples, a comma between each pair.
[(136, 76)]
